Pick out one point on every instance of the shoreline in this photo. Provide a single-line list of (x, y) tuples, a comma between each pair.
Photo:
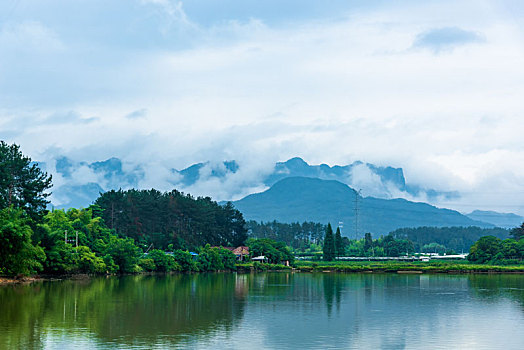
[(408, 270)]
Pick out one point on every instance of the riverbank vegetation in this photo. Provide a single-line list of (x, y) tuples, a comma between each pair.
[(307, 239), (150, 231), (112, 236), (164, 218), (458, 266), (492, 250)]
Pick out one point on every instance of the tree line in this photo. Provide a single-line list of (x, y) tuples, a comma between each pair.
[(443, 239), (493, 250), (163, 218), (298, 236), (111, 236), (335, 246)]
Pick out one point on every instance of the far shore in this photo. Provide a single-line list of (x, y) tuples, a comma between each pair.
[(313, 267)]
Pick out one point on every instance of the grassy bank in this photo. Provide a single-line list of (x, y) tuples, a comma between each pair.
[(413, 267)]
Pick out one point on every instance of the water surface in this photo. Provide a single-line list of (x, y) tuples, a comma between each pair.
[(267, 311)]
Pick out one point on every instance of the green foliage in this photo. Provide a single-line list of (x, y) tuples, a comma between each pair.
[(275, 252), (111, 253), (150, 216), (339, 244), (368, 242), (434, 247), (215, 259), (147, 264), (518, 232), (492, 250), (88, 262), (394, 266), (300, 237), (329, 245), (209, 259), (163, 262), (460, 239), (384, 246), (18, 255), (22, 184), (125, 254), (185, 260), (228, 259)]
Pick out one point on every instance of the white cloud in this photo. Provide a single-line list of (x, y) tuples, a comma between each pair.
[(330, 91), (30, 36), (363, 178)]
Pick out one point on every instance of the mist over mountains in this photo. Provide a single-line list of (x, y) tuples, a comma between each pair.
[(78, 184)]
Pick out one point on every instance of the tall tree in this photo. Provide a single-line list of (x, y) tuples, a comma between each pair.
[(153, 217), (329, 245), (368, 242), (22, 183), (518, 232), (339, 243), (17, 253)]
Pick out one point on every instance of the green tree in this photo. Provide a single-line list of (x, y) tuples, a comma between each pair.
[(185, 260), (88, 262), (518, 232), (18, 255), (163, 262), (229, 259), (510, 249), (339, 243), (275, 252), (485, 249), (329, 245), (124, 253), (147, 264), (22, 183), (434, 247), (368, 242)]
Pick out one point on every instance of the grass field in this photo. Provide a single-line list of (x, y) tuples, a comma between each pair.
[(459, 266)]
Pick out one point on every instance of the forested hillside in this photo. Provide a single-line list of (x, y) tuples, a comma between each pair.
[(150, 216), (299, 199), (460, 239), (295, 235)]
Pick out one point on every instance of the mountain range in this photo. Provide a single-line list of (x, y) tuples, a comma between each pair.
[(505, 220), (299, 199), (78, 184)]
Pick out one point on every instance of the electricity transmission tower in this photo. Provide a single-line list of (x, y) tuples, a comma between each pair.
[(357, 211)]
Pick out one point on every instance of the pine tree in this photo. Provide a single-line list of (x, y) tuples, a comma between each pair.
[(329, 245), (517, 232), (368, 242), (22, 183), (339, 244)]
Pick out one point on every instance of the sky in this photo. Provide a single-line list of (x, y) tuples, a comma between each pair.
[(434, 87)]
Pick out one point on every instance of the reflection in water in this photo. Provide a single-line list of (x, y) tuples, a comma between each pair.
[(267, 310), (131, 310)]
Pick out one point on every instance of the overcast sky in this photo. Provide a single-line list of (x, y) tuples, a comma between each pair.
[(434, 87)]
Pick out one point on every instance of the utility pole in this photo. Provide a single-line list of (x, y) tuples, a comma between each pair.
[(357, 195), (65, 236)]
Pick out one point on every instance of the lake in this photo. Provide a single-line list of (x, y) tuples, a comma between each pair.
[(266, 311)]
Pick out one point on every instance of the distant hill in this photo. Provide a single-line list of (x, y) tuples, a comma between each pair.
[(78, 183), (506, 220), (302, 199)]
